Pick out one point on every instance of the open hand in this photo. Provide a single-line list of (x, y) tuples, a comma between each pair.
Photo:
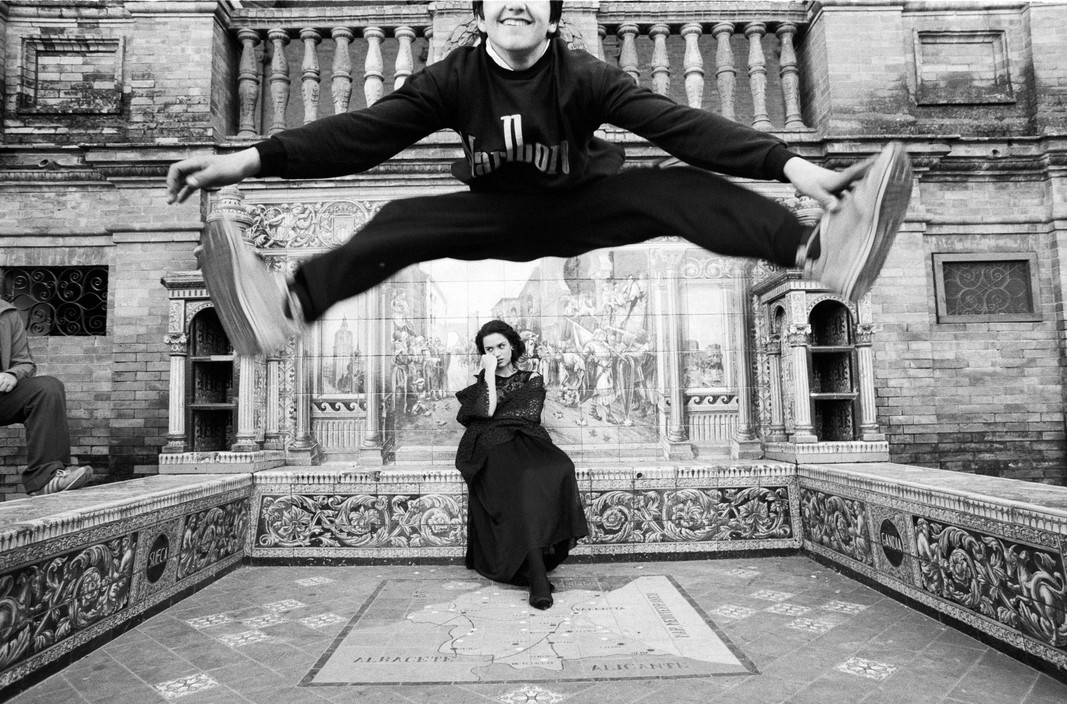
[(186, 177)]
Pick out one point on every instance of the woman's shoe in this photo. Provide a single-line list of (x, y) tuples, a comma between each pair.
[(541, 602)]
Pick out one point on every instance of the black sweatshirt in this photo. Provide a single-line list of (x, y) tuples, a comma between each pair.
[(522, 130)]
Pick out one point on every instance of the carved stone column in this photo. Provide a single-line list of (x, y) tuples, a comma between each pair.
[(628, 51), (787, 68), (272, 439), (757, 74), (310, 74), (773, 350), (279, 78), (693, 65), (248, 83), (868, 412), (304, 449), (744, 444), (799, 339), (725, 73), (405, 61), (341, 83), (373, 66), (179, 349), (245, 435), (661, 69)]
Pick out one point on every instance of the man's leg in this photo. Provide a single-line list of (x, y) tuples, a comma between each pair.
[(39, 403), (618, 210)]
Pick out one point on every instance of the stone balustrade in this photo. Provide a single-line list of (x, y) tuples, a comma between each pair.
[(298, 66)]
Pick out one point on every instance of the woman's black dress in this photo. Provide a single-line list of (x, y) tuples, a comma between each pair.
[(522, 488)]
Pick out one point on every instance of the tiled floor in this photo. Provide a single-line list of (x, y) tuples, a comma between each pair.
[(813, 636)]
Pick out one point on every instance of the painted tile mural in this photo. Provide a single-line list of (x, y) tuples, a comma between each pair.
[(361, 521), (837, 523), (45, 603), (212, 535), (1020, 586), (599, 328)]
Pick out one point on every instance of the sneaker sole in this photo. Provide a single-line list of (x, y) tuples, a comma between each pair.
[(223, 268), (891, 205)]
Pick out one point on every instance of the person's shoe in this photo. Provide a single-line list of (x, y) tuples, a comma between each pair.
[(66, 479), (541, 602), (250, 300), (854, 241)]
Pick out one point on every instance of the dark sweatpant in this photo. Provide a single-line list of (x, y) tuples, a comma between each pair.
[(39, 403), (627, 208)]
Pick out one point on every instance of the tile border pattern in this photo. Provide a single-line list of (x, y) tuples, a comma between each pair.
[(153, 535), (988, 564)]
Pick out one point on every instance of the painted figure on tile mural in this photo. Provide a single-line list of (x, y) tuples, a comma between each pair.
[(526, 108), (636, 367), (600, 370), (572, 376), (524, 510)]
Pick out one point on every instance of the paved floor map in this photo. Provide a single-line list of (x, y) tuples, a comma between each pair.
[(425, 631)]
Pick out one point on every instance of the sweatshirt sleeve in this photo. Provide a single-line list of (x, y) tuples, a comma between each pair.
[(352, 142), (698, 137), (21, 365)]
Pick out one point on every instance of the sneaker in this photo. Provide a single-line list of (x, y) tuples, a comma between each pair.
[(66, 480), (855, 240), (249, 299)]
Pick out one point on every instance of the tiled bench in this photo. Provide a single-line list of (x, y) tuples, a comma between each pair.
[(77, 568), (982, 551)]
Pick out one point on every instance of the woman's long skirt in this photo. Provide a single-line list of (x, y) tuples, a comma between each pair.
[(525, 497)]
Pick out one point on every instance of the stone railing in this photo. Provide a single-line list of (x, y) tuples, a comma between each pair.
[(344, 60)]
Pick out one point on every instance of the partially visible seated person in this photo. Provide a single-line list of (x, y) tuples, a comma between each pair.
[(39, 403)]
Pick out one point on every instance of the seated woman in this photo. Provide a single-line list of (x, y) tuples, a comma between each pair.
[(524, 513)]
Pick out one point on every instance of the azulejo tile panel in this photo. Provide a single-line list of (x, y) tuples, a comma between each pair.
[(44, 603), (360, 521), (699, 515), (837, 523), (1020, 586), (212, 535)]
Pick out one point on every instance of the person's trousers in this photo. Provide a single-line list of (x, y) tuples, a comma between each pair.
[(39, 403), (626, 208)]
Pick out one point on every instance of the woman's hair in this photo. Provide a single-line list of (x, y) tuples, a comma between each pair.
[(518, 347), (555, 11)]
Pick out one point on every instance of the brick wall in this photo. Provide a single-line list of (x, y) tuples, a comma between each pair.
[(981, 397)]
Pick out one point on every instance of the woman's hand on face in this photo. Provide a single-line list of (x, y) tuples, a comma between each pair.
[(489, 363)]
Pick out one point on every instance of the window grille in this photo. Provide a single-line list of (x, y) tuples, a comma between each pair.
[(986, 287), (58, 300)]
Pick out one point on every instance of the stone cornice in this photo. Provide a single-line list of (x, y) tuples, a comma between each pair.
[(644, 12), (346, 15)]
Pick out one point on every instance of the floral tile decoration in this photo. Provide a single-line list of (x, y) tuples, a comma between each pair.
[(184, 686), (867, 668)]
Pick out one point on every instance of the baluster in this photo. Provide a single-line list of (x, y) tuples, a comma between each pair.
[(431, 50), (248, 83), (787, 67), (757, 74), (601, 33), (694, 65), (309, 76), (374, 67), (628, 53), (342, 69), (279, 78), (405, 62), (661, 69), (725, 73)]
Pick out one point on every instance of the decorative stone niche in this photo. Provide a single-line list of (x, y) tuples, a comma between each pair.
[(815, 373)]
